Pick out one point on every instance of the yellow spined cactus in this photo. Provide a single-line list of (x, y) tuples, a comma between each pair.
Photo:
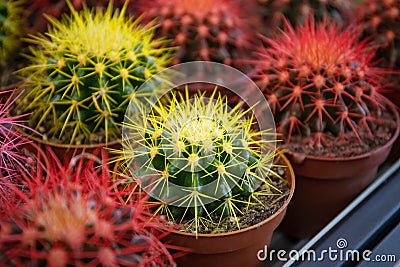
[(85, 70)]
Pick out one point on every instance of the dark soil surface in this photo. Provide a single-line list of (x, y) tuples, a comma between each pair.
[(252, 214), (347, 145)]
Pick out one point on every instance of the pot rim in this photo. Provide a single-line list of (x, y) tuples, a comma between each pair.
[(361, 156), (66, 146), (290, 176)]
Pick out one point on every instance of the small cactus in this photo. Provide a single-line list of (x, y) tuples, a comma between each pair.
[(12, 159), (320, 83), (11, 29), (72, 218), (211, 30), (202, 160), (84, 72), (297, 11), (379, 22)]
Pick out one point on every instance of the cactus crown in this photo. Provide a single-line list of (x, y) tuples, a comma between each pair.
[(11, 28), (84, 72), (73, 218), (211, 30), (379, 21), (200, 158), (319, 82)]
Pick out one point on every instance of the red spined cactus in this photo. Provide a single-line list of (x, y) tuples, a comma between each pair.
[(211, 30), (320, 83), (379, 22), (71, 216), (12, 157)]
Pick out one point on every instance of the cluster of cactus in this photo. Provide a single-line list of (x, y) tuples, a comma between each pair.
[(85, 70), (211, 30), (70, 216), (12, 159), (379, 21), (37, 10), (199, 159), (274, 12), (320, 82), (11, 28)]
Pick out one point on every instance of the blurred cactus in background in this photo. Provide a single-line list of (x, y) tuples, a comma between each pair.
[(379, 22), (12, 29), (211, 30), (297, 11)]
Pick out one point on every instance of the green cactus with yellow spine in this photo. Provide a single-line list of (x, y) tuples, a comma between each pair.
[(201, 159), (85, 70)]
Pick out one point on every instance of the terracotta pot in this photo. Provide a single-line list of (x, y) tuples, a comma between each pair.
[(238, 248), (394, 96), (325, 186)]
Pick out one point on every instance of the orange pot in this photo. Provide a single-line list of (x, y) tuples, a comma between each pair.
[(234, 249), (325, 186), (394, 96), (66, 152)]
